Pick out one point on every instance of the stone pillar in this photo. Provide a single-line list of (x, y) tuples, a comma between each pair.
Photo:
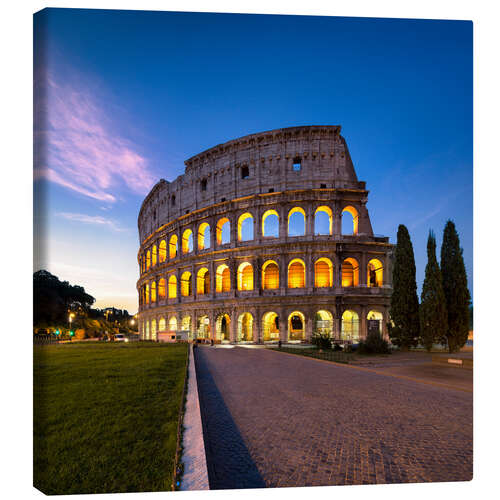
[(283, 278), (309, 222), (257, 230), (283, 321), (363, 271), (309, 270), (233, 327), (283, 233), (309, 319), (211, 317), (233, 220), (337, 222), (362, 323), (212, 278), (213, 233), (257, 273)]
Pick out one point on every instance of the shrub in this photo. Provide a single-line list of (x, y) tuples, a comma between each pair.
[(374, 344), (337, 347), (321, 340)]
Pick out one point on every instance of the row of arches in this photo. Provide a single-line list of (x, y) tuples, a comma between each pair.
[(270, 326), (296, 278), (323, 225)]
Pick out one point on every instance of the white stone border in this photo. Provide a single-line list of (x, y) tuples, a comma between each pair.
[(195, 475)]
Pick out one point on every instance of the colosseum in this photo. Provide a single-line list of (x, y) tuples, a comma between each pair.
[(263, 238)]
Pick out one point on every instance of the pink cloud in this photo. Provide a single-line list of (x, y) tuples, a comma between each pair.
[(80, 148)]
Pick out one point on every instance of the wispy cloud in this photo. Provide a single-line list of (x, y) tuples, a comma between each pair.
[(91, 219), (80, 146)]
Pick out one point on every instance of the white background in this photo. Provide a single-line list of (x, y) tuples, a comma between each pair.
[(16, 237)]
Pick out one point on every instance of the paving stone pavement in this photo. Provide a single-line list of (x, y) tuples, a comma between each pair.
[(271, 419)]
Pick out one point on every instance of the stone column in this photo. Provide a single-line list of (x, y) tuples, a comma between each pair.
[(309, 319), (257, 274), (283, 278), (309, 222), (233, 229), (283, 320), (212, 278), (362, 323), (213, 233), (283, 233), (363, 271), (337, 222), (232, 326)]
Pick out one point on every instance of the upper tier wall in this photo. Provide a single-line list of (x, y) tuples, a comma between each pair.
[(220, 173)]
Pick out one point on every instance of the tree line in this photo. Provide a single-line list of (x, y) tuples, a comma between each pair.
[(443, 314)]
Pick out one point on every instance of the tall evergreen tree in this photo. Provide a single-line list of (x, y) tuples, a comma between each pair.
[(404, 328), (433, 314), (455, 288)]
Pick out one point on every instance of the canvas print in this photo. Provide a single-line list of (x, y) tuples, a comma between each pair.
[(253, 251)]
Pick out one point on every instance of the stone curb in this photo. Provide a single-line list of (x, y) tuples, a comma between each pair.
[(380, 372), (195, 476)]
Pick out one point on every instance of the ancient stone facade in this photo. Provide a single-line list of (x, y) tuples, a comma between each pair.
[(247, 244)]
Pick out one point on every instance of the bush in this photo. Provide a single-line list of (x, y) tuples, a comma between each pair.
[(337, 347), (321, 340), (374, 344)]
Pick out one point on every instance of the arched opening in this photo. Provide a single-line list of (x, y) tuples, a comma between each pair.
[(147, 331), (153, 329), (222, 279), (270, 327), (203, 327), (154, 256), (374, 322), (245, 327), (296, 222), (350, 272), (162, 325), (245, 276), (172, 324), (296, 326), (296, 274), (186, 325), (187, 241), (270, 275), (172, 247), (163, 251), (222, 324), (153, 291), (350, 220), (186, 287), (203, 281), (223, 231), (161, 288), (350, 326), (270, 224), (245, 227), (147, 293), (148, 259), (375, 273), (323, 323), (203, 236), (172, 287), (323, 273), (323, 220)]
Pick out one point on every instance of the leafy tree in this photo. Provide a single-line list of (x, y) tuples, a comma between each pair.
[(433, 314), (455, 288), (404, 327)]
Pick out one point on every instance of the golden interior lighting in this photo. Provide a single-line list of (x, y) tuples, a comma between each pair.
[(355, 217), (296, 274), (172, 324), (350, 272), (318, 214), (245, 225), (323, 273), (245, 276), (186, 284), (203, 327), (222, 324), (187, 241), (148, 260), (147, 293), (161, 288), (172, 287), (172, 247), (270, 327), (203, 236), (245, 327), (378, 316), (267, 218), (270, 275), (203, 281), (222, 279), (162, 325), (324, 322), (221, 226), (375, 273), (186, 324), (162, 251), (296, 323), (153, 291), (154, 256), (350, 326), (153, 329), (296, 222)]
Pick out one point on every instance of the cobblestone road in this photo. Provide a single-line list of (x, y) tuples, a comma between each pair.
[(272, 419)]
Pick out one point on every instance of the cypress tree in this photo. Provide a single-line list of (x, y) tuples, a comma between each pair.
[(433, 314), (404, 328), (455, 288)]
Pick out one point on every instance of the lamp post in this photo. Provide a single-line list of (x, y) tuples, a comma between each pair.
[(70, 319)]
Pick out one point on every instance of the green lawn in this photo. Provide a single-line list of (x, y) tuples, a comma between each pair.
[(105, 416), (313, 352)]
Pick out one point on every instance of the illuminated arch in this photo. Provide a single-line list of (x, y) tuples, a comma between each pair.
[(172, 287), (161, 288), (296, 274), (324, 323), (223, 231), (203, 236), (186, 287), (148, 259), (186, 324), (222, 279), (245, 227), (375, 273), (296, 222), (162, 254), (203, 327), (296, 326), (162, 325), (172, 324), (245, 327), (266, 222), (187, 241), (270, 327), (154, 256), (323, 220), (350, 272), (153, 291), (323, 273), (245, 276), (270, 275), (203, 281), (147, 330), (153, 329), (147, 293), (222, 327), (350, 326), (355, 218), (376, 316), (172, 247)]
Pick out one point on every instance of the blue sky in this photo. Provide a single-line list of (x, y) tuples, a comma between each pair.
[(123, 98)]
